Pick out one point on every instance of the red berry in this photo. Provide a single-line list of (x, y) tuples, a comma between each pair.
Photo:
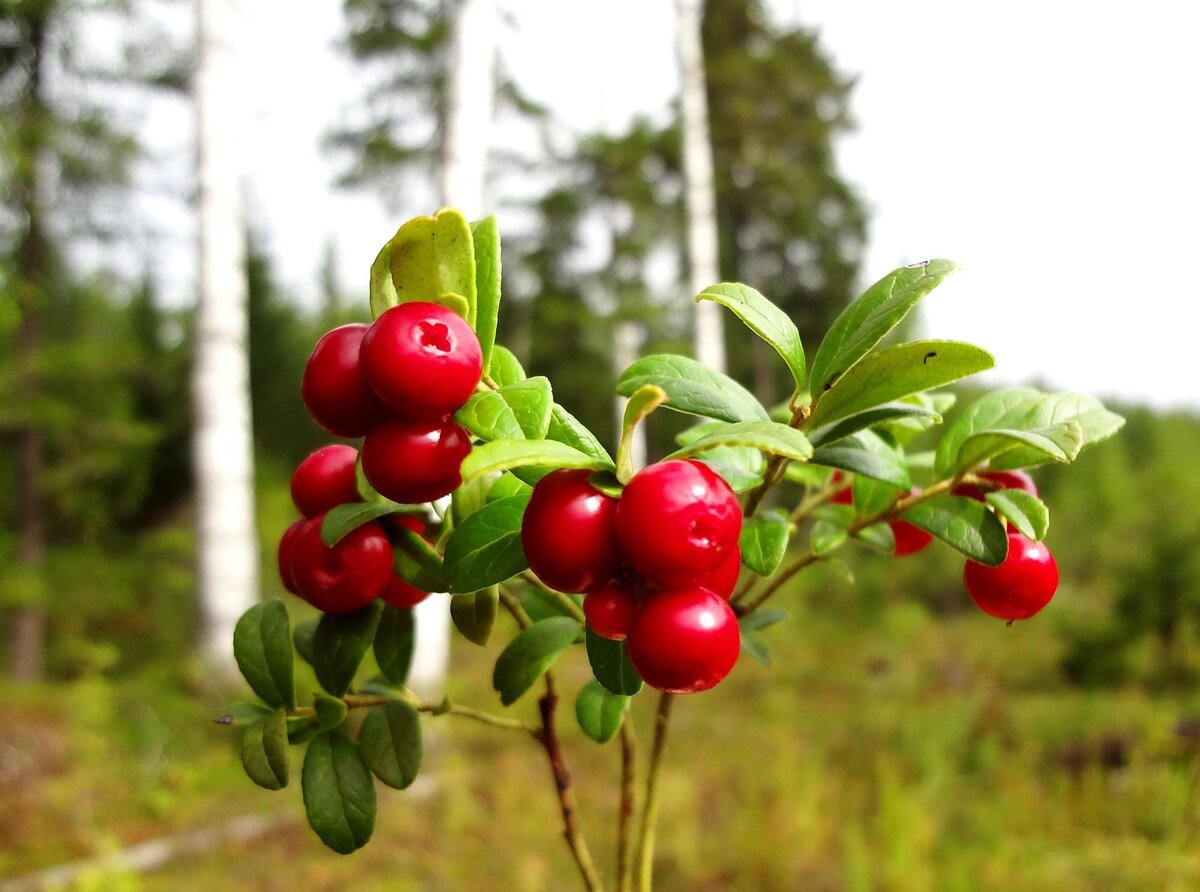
[(333, 388), (1016, 479), (422, 359), (287, 542), (569, 532), (677, 521), (346, 577), (325, 479), (415, 461), (609, 610), (842, 496), (684, 639), (1019, 587), (724, 579), (909, 539), (402, 594)]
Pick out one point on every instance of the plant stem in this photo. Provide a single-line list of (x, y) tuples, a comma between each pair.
[(628, 805), (573, 610), (548, 735), (487, 718), (513, 605), (645, 847)]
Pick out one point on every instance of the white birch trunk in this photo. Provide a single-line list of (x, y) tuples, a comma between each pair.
[(227, 544), (463, 172), (700, 194)]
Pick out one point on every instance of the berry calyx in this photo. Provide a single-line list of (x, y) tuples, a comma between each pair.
[(609, 610), (684, 639), (325, 479), (346, 577), (422, 359), (677, 520), (569, 532), (415, 461), (333, 388), (1021, 586)]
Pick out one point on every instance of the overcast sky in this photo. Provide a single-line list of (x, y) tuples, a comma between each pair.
[(1048, 147)]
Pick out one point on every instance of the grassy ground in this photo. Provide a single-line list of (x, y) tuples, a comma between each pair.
[(886, 749)]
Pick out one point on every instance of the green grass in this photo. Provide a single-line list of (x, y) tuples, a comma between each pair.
[(886, 749)]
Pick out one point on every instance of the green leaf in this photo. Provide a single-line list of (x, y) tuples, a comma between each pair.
[(880, 415), (864, 323), (425, 556), (488, 416), (599, 711), (999, 410), (610, 665), (434, 255), (753, 644), (391, 743), (242, 713), (486, 238), (566, 428), (742, 467), (506, 368), (867, 454), (395, 639), (531, 653), (872, 496), (339, 795), (383, 292), (475, 615), (963, 524), (262, 646), (414, 570), (879, 536), (502, 455), (1026, 512), (764, 319), (343, 519), (340, 643), (762, 619), (1060, 443), (766, 436), (641, 403), (692, 388), (540, 604), (507, 485), (532, 402), (764, 541), (1095, 423), (809, 475), (301, 729), (486, 548), (829, 528), (265, 750), (894, 373), (470, 497), (331, 711), (905, 430), (302, 637)]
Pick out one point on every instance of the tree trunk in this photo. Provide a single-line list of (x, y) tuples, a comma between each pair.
[(463, 172), (227, 544), (33, 260), (700, 197)]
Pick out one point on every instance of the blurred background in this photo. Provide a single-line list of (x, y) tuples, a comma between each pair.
[(901, 740)]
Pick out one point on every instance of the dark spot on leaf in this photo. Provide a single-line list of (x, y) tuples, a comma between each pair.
[(927, 355), (919, 265)]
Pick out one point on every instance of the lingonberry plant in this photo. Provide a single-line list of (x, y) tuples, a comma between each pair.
[(656, 576)]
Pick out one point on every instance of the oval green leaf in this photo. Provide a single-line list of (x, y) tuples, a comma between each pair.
[(600, 712), (963, 524), (764, 540), (331, 711), (486, 548), (566, 428), (475, 615), (770, 437), (343, 519), (265, 751), (693, 388), (262, 646), (434, 255), (611, 666), (339, 795), (503, 455), (764, 319), (395, 639), (340, 643), (486, 237), (530, 654), (866, 453), (1026, 512), (506, 368), (391, 743)]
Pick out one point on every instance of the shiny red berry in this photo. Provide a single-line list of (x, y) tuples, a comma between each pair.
[(422, 359), (1021, 586), (909, 539), (684, 639), (399, 593), (609, 610), (569, 532), (325, 479), (844, 496), (677, 521), (346, 577), (1016, 479), (333, 388), (287, 542), (415, 461), (724, 579)]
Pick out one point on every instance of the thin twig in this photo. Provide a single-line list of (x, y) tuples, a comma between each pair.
[(628, 805), (645, 846), (513, 605), (572, 609)]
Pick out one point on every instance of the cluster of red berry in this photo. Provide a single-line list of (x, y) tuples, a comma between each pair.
[(397, 384), (1017, 589), (656, 565), (359, 567)]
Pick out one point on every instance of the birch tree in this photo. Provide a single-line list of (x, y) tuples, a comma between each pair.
[(227, 544)]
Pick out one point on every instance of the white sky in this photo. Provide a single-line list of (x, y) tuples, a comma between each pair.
[(1049, 147)]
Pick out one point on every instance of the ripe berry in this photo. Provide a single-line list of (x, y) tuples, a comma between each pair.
[(415, 461), (346, 577), (909, 539), (724, 579), (325, 479), (422, 359), (1019, 587), (677, 521), (609, 610), (1016, 479), (842, 496), (684, 639), (287, 542), (569, 532), (334, 390), (399, 593)]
